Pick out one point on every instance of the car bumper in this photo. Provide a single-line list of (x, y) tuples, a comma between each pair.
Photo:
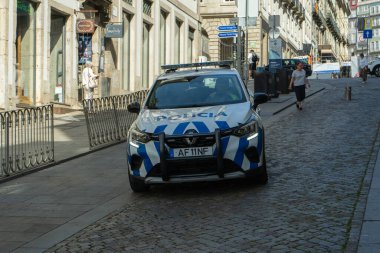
[(233, 157)]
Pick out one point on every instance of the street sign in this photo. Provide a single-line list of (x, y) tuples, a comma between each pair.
[(234, 21), (275, 64), (360, 40), (228, 35), (274, 33), (227, 27), (114, 30), (275, 48), (367, 34), (274, 21)]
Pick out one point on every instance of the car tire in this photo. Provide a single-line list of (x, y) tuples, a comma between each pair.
[(376, 70), (262, 178), (137, 185)]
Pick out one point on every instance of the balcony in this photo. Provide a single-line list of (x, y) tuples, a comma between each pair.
[(332, 7), (333, 27), (319, 18), (295, 5)]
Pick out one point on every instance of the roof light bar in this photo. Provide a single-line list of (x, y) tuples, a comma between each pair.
[(174, 67)]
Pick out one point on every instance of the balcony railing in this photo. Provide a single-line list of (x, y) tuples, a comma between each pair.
[(319, 19), (332, 25)]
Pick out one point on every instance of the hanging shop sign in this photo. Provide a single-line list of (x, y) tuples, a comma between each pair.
[(85, 26), (114, 30), (85, 48)]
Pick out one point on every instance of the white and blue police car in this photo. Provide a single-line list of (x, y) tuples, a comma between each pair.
[(196, 125)]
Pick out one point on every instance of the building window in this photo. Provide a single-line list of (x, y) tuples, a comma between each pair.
[(177, 41), (190, 44), (145, 55), (57, 57), (127, 18), (226, 49), (205, 44), (163, 34), (25, 52), (147, 7), (128, 2)]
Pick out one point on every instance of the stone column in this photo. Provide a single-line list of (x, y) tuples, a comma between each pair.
[(8, 17)]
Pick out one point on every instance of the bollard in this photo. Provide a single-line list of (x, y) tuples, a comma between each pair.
[(347, 93)]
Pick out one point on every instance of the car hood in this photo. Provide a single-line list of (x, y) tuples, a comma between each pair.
[(194, 120)]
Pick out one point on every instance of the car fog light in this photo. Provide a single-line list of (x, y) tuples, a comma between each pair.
[(252, 154), (136, 162)]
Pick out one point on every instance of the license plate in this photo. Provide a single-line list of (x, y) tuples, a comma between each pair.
[(191, 152)]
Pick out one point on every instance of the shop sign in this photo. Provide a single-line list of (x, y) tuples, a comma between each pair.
[(114, 30), (85, 26), (23, 7)]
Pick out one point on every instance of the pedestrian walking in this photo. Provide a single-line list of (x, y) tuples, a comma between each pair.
[(299, 80), (252, 60), (363, 66), (89, 80)]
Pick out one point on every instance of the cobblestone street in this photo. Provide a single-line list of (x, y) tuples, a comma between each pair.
[(317, 159)]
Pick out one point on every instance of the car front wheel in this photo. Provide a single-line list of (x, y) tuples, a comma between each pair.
[(137, 185), (377, 71)]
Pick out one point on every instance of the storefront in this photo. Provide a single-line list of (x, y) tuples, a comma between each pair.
[(57, 57), (26, 52)]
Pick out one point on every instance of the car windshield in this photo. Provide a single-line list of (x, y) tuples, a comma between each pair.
[(196, 91)]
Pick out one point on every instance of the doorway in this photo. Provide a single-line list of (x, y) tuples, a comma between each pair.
[(57, 57), (26, 52)]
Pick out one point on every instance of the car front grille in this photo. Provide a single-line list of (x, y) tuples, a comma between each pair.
[(196, 141)]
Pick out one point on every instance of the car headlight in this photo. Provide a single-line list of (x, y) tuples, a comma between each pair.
[(137, 136), (249, 129)]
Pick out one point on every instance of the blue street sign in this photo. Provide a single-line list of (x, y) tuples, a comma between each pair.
[(275, 64), (227, 27), (367, 34), (228, 35)]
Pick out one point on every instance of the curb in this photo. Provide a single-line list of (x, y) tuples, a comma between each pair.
[(293, 103), (357, 216)]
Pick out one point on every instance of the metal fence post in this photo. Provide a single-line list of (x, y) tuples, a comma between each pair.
[(116, 118), (52, 130), (7, 162)]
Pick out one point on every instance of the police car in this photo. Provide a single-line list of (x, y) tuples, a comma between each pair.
[(196, 125)]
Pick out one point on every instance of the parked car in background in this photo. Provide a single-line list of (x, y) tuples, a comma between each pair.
[(292, 63), (374, 67)]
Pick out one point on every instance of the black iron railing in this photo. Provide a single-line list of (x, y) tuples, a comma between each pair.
[(26, 140), (108, 119)]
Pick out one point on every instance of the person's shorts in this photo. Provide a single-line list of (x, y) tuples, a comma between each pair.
[(300, 92)]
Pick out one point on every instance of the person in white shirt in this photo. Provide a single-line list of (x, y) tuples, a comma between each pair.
[(363, 66), (252, 60), (89, 80), (299, 80)]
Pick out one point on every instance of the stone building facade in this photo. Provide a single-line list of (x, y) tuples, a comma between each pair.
[(331, 30), (321, 24), (370, 12), (45, 43)]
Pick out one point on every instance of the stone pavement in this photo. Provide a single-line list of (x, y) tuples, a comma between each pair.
[(74, 195)]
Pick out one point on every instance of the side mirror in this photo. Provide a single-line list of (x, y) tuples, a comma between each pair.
[(134, 107), (259, 98)]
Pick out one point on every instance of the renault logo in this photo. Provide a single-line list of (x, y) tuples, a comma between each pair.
[(191, 140)]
